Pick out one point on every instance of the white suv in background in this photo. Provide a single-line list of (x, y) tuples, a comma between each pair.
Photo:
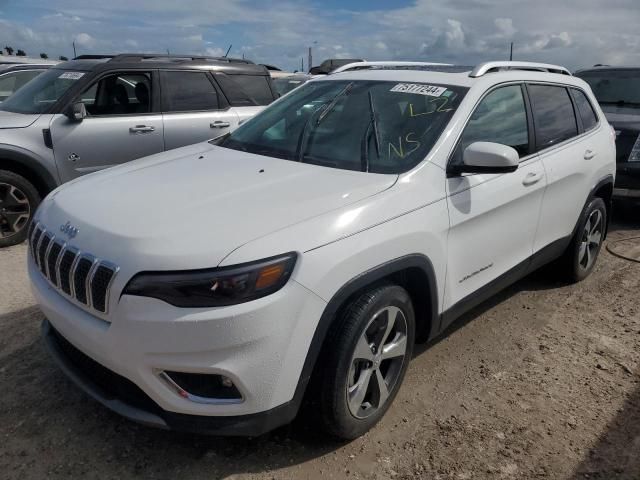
[(208, 288)]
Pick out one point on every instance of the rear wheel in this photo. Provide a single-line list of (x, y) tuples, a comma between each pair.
[(368, 358), (18, 202), (580, 258)]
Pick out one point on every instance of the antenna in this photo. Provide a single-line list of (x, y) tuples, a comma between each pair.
[(511, 52), (228, 50)]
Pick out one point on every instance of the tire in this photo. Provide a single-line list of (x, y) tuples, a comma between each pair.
[(350, 398), (18, 202), (581, 255)]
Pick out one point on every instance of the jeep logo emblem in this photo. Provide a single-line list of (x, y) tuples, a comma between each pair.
[(69, 230)]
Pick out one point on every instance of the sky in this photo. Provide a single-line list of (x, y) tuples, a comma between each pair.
[(573, 33)]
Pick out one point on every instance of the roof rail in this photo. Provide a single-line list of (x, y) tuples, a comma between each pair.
[(138, 57), (92, 57), (488, 67), (390, 65)]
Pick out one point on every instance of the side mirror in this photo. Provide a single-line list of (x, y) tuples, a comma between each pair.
[(489, 157), (76, 112)]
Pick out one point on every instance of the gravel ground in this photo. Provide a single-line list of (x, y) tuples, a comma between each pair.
[(542, 381)]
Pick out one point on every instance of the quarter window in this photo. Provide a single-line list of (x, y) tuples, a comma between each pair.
[(500, 117), (189, 91), (585, 109), (553, 115)]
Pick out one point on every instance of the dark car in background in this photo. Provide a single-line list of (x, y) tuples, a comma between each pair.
[(617, 89)]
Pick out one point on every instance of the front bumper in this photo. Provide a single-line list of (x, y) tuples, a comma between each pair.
[(260, 345)]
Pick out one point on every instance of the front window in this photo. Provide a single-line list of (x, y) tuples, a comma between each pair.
[(41, 93), (369, 126), (614, 87)]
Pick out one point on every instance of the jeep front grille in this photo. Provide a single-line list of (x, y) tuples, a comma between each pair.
[(79, 275)]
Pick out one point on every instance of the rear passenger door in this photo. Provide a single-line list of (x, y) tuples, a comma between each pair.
[(193, 109), (565, 154)]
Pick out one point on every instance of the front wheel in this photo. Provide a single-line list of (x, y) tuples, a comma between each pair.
[(18, 202), (366, 361)]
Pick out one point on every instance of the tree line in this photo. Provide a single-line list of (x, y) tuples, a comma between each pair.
[(22, 53)]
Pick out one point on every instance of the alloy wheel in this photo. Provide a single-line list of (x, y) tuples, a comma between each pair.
[(377, 362), (591, 239), (15, 210)]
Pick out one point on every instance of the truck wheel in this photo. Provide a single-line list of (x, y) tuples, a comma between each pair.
[(18, 202), (366, 360)]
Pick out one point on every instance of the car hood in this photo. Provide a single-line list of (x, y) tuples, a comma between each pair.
[(624, 117), (16, 120), (189, 208)]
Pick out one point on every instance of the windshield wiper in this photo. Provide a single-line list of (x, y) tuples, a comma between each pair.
[(333, 103), (322, 111), (372, 127)]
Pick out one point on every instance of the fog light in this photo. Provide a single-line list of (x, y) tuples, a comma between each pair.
[(203, 387)]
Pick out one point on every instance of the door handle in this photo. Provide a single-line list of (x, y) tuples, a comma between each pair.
[(219, 124), (532, 178), (141, 129), (589, 154)]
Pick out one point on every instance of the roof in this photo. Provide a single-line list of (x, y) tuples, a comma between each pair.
[(101, 63), (5, 59), (12, 67), (599, 68)]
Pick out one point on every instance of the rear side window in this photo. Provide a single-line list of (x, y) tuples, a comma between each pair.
[(585, 109), (189, 91), (246, 90), (553, 115), (500, 117)]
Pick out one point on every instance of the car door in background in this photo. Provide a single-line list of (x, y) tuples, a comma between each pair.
[(565, 161), (493, 217), (248, 94), (122, 124), (193, 108)]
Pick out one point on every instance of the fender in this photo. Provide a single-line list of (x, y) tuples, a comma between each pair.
[(350, 288), (11, 155)]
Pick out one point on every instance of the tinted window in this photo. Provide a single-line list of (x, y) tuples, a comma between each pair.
[(500, 117), (614, 87), (588, 116), (189, 91), (244, 90), (371, 126), (553, 115), (118, 94)]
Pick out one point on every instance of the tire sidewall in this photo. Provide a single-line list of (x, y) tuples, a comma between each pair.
[(350, 426), (34, 200), (580, 273)]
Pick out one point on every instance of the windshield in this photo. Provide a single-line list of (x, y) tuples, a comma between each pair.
[(370, 126), (42, 92), (619, 87)]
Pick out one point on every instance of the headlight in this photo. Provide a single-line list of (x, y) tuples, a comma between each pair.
[(215, 287)]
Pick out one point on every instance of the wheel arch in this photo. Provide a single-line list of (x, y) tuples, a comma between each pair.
[(413, 272), (29, 168), (603, 189)]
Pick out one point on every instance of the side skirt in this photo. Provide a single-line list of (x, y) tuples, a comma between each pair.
[(542, 257)]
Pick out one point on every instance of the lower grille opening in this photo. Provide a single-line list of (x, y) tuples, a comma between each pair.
[(204, 385), (112, 385)]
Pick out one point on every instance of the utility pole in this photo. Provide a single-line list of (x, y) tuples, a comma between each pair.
[(74, 49), (310, 60), (511, 52), (302, 64)]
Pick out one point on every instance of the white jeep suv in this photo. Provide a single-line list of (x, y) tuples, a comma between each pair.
[(208, 288)]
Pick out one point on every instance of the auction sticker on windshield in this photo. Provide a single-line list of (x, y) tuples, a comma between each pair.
[(419, 89), (72, 75)]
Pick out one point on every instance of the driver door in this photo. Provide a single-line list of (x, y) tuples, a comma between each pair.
[(123, 123), (493, 217)]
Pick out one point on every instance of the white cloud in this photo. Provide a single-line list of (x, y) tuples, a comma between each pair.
[(84, 40), (505, 27)]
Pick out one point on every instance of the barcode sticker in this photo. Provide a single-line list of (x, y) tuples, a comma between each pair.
[(418, 89), (72, 75)]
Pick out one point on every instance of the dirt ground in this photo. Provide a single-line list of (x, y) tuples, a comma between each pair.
[(542, 381)]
